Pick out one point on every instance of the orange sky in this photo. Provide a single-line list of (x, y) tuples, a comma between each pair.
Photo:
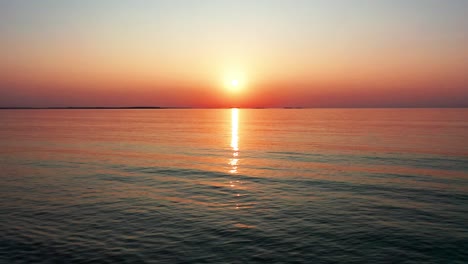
[(285, 53)]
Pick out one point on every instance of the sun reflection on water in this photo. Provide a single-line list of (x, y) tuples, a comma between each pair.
[(235, 129), (234, 160)]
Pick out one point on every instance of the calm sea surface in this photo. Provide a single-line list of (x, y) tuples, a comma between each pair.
[(234, 186)]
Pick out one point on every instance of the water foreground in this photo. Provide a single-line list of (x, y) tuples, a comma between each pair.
[(234, 186)]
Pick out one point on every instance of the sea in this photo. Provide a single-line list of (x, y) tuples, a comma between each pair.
[(234, 186)]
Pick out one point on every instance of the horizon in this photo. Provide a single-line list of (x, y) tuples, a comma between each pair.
[(219, 54), (226, 107)]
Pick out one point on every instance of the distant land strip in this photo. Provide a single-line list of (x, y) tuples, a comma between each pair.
[(98, 107), (230, 107), (137, 107)]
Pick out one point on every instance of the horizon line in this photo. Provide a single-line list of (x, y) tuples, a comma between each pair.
[(192, 107)]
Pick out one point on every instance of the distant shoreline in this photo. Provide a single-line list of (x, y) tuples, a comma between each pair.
[(96, 107), (135, 108), (160, 107)]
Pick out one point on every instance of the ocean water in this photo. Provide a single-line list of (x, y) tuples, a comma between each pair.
[(234, 186)]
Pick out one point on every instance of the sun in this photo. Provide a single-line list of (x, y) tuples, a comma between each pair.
[(234, 83)]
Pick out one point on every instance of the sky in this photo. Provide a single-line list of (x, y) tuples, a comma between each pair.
[(216, 53)]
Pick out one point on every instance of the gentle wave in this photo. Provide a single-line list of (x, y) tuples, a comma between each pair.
[(189, 195)]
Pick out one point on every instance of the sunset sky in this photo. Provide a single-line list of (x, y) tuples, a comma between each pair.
[(215, 53)]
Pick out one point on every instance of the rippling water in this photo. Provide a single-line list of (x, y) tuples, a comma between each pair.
[(234, 186)]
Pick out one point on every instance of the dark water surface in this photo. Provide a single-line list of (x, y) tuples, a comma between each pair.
[(234, 186)]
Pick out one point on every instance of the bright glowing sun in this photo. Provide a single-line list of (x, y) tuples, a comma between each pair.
[(234, 83)]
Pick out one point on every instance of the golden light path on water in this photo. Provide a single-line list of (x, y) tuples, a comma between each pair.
[(234, 160), (234, 140)]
